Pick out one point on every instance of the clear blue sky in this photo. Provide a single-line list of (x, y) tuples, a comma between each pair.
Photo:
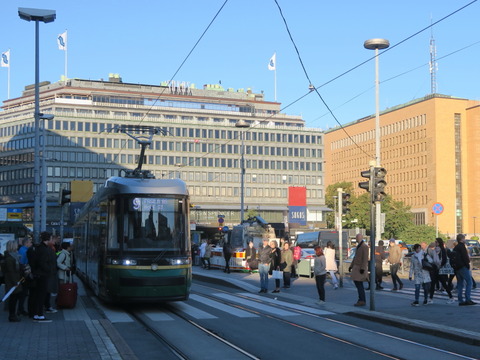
[(146, 41)]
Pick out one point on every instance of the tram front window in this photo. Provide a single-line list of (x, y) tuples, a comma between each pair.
[(154, 223)]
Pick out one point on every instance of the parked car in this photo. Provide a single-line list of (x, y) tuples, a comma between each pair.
[(472, 243)]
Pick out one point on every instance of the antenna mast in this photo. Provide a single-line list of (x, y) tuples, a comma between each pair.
[(433, 65)]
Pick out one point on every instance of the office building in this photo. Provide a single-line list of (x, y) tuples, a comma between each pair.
[(200, 144), (430, 148)]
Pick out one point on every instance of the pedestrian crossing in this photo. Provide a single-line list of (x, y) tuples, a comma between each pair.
[(204, 308), (442, 297)]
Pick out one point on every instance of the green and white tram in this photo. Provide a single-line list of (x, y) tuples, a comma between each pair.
[(132, 240)]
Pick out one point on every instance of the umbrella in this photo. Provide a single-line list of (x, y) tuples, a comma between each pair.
[(7, 295)]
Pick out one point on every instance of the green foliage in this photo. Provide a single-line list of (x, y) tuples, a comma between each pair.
[(250, 213), (416, 234), (332, 202)]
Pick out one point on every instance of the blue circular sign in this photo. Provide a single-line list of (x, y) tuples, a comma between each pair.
[(437, 208), (220, 220)]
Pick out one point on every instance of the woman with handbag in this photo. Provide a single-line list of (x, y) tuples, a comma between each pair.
[(276, 257), (420, 275)]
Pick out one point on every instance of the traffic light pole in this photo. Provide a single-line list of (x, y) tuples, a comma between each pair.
[(340, 234), (372, 253)]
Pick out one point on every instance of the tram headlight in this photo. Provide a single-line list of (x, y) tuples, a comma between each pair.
[(179, 261), (125, 262)]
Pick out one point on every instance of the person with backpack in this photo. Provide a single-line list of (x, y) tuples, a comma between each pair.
[(445, 270), (420, 275), (462, 270), (434, 252), (64, 261)]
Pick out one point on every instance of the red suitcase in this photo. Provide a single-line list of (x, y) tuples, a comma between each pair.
[(67, 294)]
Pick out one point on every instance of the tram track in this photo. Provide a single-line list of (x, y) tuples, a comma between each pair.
[(297, 325)]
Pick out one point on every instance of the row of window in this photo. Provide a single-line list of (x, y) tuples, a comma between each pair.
[(369, 135), (214, 191)]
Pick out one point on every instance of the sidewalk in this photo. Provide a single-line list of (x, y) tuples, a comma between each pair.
[(450, 321), (73, 334)]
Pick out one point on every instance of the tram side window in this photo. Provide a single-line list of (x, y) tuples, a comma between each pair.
[(112, 227)]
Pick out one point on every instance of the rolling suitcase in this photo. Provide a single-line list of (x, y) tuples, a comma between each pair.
[(67, 293)]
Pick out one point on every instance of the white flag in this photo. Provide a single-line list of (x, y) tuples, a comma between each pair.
[(5, 62), (62, 41), (272, 64)]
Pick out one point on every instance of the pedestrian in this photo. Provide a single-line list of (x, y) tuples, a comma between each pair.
[(286, 264), (12, 274), (276, 256), (421, 276), (227, 254), (379, 257), (41, 264), (320, 272), (331, 263), (359, 269), (251, 257), (52, 282), (395, 259), (297, 255), (203, 247), (434, 252), (64, 262), (26, 244), (264, 260), (464, 276), (445, 270)]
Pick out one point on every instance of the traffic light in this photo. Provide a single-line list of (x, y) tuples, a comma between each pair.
[(376, 184), (365, 185), (65, 196), (379, 183), (345, 203)]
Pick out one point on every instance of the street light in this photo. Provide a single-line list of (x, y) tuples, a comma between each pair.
[(376, 44), (43, 184), (45, 16), (242, 124)]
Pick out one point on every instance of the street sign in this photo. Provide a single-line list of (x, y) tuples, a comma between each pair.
[(221, 220), (225, 229), (437, 208)]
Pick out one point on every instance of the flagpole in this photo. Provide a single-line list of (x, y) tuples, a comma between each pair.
[(66, 62), (66, 54), (8, 76), (275, 81)]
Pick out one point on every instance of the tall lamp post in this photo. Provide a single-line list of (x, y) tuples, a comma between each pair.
[(242, 124), (376, 44), (45, 16)]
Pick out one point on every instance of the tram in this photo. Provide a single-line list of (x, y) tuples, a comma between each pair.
[(132, 239)]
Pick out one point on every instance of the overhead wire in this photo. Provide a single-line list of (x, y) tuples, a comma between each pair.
[(314, 89)]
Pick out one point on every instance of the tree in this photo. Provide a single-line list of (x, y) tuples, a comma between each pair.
[(416, 234), (331, 201)]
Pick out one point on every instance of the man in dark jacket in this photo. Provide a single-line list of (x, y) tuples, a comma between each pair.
[(40, 261), (227, 254), (264, 260), (463, 272)]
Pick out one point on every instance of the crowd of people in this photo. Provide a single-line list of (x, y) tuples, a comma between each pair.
[(433, 267), (32, 273)]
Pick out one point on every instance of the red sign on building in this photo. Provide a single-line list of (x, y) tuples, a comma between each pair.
[(297, 196)]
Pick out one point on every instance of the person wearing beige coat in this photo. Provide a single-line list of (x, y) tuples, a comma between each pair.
[(359, 269)]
